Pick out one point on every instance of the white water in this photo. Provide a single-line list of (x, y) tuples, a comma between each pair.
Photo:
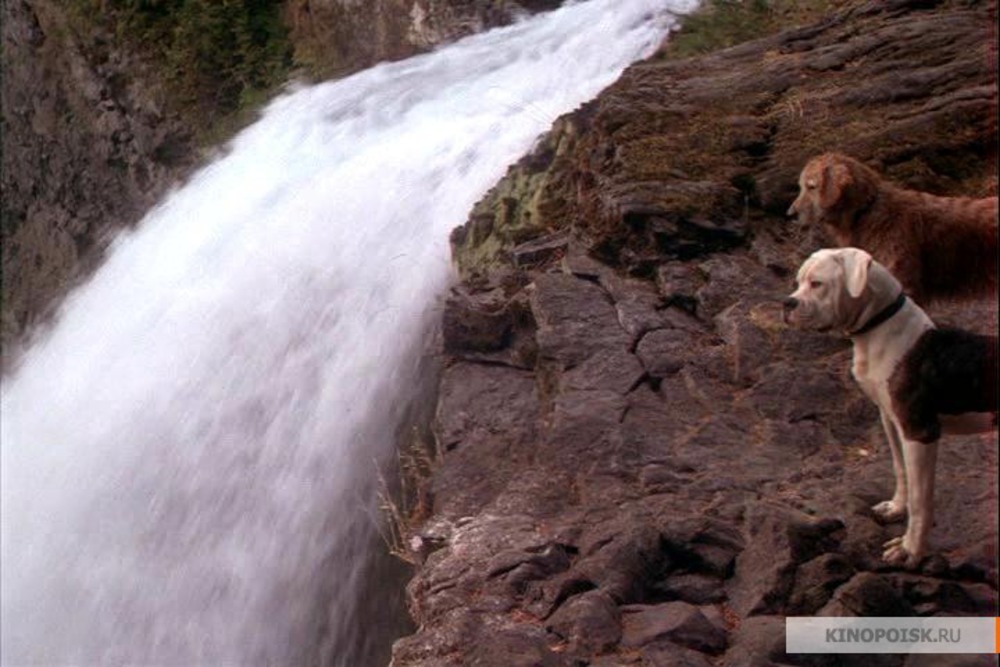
[(187, 457)]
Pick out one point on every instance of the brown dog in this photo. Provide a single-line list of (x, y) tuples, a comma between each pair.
[(938, 247)]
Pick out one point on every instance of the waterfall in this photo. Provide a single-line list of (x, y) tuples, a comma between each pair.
[(188, 453)]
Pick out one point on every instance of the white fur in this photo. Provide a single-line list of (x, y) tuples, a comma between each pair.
[(842, 289)]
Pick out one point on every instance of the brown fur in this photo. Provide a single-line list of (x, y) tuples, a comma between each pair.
[(938, 247)]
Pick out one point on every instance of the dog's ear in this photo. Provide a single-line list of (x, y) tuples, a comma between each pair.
[(856, 265), (836, 179)]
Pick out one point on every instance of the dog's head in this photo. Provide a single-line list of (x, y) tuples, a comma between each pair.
[(831, 187), (839, 288)]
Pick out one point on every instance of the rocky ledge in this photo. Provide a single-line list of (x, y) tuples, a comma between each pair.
[(637, 464)]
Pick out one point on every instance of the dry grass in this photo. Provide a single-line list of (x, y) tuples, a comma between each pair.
[(406, 504), (719, 24)]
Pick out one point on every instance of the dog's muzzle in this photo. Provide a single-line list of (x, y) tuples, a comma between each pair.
[(787, 307)]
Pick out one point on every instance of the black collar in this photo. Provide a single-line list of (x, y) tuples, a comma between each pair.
[(882, 316)]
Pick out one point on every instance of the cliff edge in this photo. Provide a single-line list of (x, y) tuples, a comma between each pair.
[(635, 462)]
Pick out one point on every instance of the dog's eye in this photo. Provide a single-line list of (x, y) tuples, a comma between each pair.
[(815, 284)]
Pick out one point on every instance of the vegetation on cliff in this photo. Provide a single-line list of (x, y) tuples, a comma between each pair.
[(719, 24), (215, 58), (713, 141)]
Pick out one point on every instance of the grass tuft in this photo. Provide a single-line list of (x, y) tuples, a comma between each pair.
[(719, 24), (407, 504)]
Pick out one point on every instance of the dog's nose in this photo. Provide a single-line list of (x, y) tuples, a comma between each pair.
[(790, 304)]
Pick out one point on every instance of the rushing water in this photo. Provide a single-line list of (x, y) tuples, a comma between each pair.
[(188, 454)]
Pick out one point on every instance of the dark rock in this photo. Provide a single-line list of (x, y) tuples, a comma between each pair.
[(752, 347), (482, 402), (704, 545), (695, 588), (867, 594), (664, 352), (640, 307), (679, 283), (677, 622), (549, 559), (946, 660), (795, 393), (540, 251), (617, 371), (660, 479), (476, 322), (590, 622), (581, 426), (626, 562), (513, 647), (757, 641), (930, 595), (815, 581), (733, 278), (779, 541), (576, 319), (654, 421), (666, 654)]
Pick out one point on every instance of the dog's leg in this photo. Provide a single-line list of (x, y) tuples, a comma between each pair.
[(893, 509), (920, 461)]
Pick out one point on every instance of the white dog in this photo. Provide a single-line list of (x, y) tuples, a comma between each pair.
[(925, 381)]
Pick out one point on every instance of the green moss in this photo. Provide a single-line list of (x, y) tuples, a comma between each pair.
[(526, 203)]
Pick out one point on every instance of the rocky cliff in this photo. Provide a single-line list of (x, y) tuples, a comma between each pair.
[(87, 147), (96, 126), (334, 36), (636, 463)]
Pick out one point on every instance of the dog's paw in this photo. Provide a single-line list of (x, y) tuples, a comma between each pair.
[(889, 511), (898, 554)]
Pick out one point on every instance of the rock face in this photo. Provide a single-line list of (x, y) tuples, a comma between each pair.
[(87, 148), (337, 36), (90, 141), (638, 464)]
